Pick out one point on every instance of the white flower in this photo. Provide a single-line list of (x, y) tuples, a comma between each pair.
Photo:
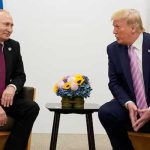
[(74, 86), (61, 84), (71, 79)]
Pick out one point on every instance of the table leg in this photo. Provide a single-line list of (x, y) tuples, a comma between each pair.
[(90, 131), (55, 131)]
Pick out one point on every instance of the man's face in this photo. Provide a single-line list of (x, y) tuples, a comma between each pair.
[(6, 26), (122, 31)]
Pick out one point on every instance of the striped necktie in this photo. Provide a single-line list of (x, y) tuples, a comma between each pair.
[(2, 71), (137, 78)]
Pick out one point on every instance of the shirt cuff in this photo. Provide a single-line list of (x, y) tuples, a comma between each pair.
[(13, 86), (126, 104)]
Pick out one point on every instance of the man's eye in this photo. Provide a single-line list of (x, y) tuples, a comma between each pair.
[(7, 24)]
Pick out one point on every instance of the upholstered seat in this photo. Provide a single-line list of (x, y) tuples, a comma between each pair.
[(29, 93)]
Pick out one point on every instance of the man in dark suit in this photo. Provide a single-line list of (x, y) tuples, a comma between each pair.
[(12, 79), (123, 112)]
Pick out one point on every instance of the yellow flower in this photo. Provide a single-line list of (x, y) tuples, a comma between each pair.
[(67, 85), (78, 76), (55, 88), (79, 79)]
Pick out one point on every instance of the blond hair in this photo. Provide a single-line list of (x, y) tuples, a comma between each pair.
[(132, 16)]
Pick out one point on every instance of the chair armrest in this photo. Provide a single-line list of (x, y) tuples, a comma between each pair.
[(27, 92)]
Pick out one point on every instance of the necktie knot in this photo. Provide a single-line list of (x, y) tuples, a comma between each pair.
[(132, 48), (132, 53)]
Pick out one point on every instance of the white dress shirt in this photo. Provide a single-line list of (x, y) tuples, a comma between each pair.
[(138, 45)]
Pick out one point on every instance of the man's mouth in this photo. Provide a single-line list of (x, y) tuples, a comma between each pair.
[(117, 38), (7, 34)]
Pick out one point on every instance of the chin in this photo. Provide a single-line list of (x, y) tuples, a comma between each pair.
[(6, 38), (121, 42)]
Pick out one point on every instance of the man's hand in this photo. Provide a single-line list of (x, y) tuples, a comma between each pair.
[(7, 96), (3, 117), (133, 112), (145, 117)]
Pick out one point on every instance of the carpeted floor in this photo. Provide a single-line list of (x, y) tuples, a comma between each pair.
[(41, 141)]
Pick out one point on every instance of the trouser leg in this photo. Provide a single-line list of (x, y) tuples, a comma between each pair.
[(115, 120), (25, 113)]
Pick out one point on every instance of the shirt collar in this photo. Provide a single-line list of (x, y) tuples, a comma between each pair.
[(2, 45), (138, 42)]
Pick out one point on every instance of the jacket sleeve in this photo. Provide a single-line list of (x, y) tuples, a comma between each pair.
[(18, 76), (116, 82)]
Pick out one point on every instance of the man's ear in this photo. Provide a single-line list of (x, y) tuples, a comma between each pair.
[(133, 28)]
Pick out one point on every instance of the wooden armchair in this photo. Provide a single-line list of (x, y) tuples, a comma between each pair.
[(140, 141), (27, 92)]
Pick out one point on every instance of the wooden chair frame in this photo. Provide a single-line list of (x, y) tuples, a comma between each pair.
[(4, 134), (140, 141)]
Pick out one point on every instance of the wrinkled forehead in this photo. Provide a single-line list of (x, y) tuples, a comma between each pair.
[(119, 22), (5, 16)]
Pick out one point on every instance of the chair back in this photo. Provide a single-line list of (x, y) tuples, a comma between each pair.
[(27, 92)]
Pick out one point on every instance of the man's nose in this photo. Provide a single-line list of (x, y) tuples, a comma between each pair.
[(114, 31), (10, 29)]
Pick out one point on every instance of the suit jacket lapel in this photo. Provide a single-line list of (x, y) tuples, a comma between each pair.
[(8, 58), (125, 62), (145, 61)]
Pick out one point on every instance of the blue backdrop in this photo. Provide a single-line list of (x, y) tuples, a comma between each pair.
[(1, 4)]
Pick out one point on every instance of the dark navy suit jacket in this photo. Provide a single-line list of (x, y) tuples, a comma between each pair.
[(120, 79), (14, 66)]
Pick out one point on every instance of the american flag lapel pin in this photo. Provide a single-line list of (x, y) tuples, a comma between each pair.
[(9, 48)]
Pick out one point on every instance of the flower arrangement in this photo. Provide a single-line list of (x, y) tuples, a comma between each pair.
[(72, 86)]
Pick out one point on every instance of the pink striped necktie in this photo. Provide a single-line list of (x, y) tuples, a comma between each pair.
[(137, 78), (2, 71)]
